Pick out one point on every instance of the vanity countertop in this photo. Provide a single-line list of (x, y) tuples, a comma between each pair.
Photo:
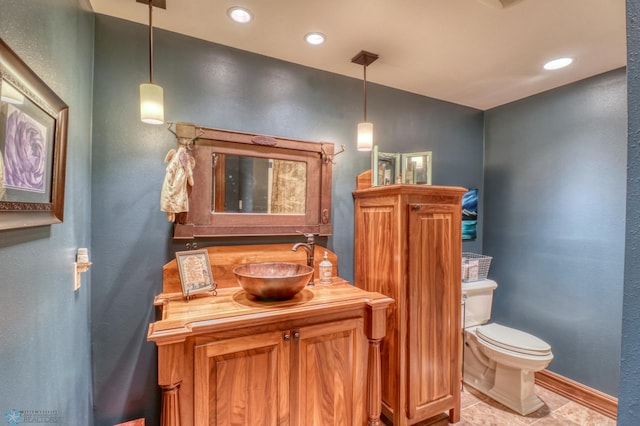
[(233, 306)]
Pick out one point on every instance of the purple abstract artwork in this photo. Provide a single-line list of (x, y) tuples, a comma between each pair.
[(25, 152)]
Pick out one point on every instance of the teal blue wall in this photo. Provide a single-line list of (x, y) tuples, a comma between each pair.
[(629, 395), (45, 347), (217, 86), (48, 359), (555, 173)]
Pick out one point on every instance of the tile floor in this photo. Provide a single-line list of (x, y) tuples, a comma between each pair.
[(479, 410)]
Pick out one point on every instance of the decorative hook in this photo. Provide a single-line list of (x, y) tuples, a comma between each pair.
[(187, 142), (329, 158)]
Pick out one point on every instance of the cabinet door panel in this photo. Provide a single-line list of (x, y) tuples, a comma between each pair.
[(433, 302), (331, 374), (243, 381)]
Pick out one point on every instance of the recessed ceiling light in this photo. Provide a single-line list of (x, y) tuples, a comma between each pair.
[(557, 63), (315, 38), (240, 14)]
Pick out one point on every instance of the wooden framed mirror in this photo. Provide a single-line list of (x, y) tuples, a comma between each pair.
[(252, 185)]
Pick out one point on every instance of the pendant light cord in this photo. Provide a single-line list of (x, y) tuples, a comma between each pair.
[(365, 93), (150, 41)]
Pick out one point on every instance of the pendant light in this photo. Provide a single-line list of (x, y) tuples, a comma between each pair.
[(365, 129), (151, 95)]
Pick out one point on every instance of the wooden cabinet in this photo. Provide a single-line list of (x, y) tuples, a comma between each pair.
[(230, 359), (408, 247), (303, 376)]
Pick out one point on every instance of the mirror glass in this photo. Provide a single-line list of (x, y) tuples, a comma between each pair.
[(416, 167), (396, 167), (245, 184)]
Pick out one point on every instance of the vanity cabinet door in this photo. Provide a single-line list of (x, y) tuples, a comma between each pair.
[(243, 381), (328, 383), (312, 375)]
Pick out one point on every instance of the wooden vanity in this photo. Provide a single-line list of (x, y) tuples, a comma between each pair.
[(230, 359)]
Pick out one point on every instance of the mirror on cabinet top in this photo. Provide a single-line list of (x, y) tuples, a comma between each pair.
[(252, 185)]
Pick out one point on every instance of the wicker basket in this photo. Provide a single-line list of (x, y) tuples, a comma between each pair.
[(475, 267)]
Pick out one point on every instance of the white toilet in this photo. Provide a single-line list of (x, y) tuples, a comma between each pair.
[(500, 361)]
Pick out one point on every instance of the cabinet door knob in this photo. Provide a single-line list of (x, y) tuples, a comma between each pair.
[(296, 335), (415, 207), (287, 337)]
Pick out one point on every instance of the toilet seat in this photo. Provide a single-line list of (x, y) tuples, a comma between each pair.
[(513, 340)]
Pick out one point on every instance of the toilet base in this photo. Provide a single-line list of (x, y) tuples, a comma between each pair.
[(512, 387), (516, 390)]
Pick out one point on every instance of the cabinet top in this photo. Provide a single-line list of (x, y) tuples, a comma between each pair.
[(232, 308), (409, 189)]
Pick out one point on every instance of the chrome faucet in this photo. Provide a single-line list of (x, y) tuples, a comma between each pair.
[(309, 248)]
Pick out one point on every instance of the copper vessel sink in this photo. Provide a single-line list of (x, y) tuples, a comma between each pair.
[(273, 280)]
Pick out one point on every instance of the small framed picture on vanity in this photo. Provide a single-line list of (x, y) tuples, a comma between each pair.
[(195, 272)]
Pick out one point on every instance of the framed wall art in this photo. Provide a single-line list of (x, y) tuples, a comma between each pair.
[(195, 272), (470, 214), (33, 140)]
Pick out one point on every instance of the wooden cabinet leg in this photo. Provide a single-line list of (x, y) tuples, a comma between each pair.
[(170, 406), (376, 330), (374, 397), (454, 415)]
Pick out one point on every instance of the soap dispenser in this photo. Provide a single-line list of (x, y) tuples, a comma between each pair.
[(326, 270)]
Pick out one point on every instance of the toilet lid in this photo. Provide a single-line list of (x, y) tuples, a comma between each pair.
[(513, 340)]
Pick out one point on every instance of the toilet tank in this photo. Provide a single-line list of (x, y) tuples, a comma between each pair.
[(478, 297)]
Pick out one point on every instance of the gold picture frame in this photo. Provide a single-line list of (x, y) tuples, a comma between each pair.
[(33, 145), (195, 272)]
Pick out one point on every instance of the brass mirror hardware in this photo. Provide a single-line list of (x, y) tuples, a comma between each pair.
[(329, 158), (264, 140), (187, 142), (325, 216)]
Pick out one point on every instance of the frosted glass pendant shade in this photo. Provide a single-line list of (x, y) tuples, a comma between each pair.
[(151, 104), (365, 136)]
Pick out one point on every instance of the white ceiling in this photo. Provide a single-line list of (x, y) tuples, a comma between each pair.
[(470, 52)]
